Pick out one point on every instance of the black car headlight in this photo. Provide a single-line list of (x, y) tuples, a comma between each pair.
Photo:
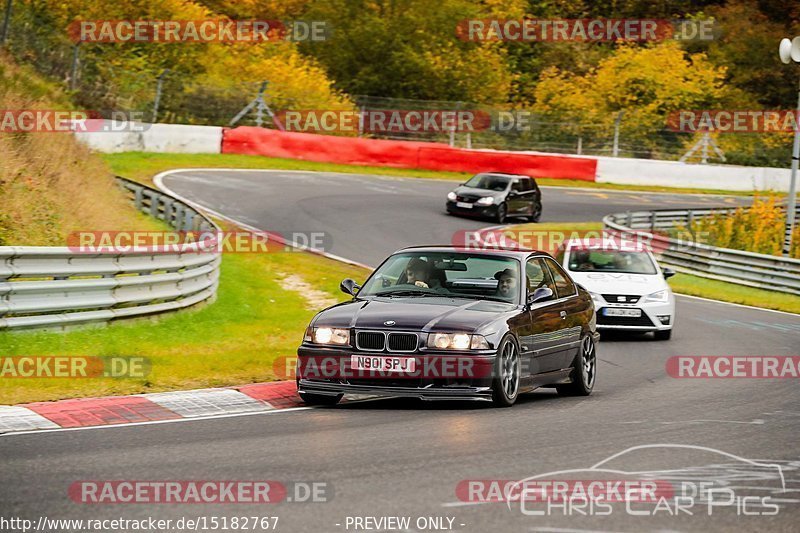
[(457, 341), (327, 335), (486, 200)]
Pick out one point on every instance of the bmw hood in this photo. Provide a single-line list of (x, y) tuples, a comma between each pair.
[(620, 283), (415, 314)]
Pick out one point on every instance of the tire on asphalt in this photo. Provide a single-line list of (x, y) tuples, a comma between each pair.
[(584, 370), (502, 213), (537, 213), (505, 392)]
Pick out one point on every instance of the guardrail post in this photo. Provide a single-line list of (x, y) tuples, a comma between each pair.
[(168, 210), (690, 224), (154, 205), (188, 220), (137, 199), (628, 219), (653, 216), (177, 220)]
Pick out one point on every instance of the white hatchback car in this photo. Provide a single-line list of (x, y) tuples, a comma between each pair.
[(627, 285)]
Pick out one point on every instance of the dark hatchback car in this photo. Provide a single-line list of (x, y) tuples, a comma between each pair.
[(443, 323), (497, 196)]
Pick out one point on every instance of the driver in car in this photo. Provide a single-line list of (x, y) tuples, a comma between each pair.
[(580, 260), (506, 283), (417, 273)]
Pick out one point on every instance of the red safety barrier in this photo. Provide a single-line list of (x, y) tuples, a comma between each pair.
[(403, 154)]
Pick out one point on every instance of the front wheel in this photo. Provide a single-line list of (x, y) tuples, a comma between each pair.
[(505, 385), (537, 213), (319, 399), (502, 213), (584, 370)]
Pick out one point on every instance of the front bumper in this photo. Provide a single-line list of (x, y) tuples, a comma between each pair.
[(427, 393), (489, 211), (438, 375), (649, 321)]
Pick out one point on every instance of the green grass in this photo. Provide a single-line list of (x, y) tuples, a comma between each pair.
[(235, 340), (143, 165), (730, 292)]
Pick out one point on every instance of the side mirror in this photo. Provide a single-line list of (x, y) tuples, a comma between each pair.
[(348, 286), (668, 273), (512, 194), (540, 295)]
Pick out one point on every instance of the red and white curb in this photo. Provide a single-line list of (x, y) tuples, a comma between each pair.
[(155, 407)]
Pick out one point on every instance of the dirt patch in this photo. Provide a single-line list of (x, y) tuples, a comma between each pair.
[(315, 299)]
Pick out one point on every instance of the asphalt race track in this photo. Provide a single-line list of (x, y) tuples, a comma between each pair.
[(369, 217), (407, 458)]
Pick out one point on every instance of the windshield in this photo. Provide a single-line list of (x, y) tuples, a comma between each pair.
[(450, 274), (582, 260), (489, 182)]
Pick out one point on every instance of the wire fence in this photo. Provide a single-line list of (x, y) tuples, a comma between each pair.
[(167, 94)]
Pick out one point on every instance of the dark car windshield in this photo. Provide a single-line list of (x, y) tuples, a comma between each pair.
[(489, 182), (450, 274), (632, 262)]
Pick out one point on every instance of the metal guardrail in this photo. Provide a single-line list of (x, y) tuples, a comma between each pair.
[(61, 286), (735, 266)]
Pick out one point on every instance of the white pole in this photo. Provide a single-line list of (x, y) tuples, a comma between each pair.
[(790, 205)]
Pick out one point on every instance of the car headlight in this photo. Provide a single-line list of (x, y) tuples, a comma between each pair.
[(325, 335), (597, 298), (658, 297), (451, 196), (486, 200), (457, 341)]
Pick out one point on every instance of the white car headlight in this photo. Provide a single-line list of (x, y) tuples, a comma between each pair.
[(597, 298), (658, 297), (324, 335), (486, 200), (457, 341), (451, 196)]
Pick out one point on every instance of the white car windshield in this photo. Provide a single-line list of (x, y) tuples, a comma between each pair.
[(450, 274), (629, 262)]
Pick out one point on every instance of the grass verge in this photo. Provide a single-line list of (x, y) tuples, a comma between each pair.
[(730, 292), (143, 165), (50, 184)]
